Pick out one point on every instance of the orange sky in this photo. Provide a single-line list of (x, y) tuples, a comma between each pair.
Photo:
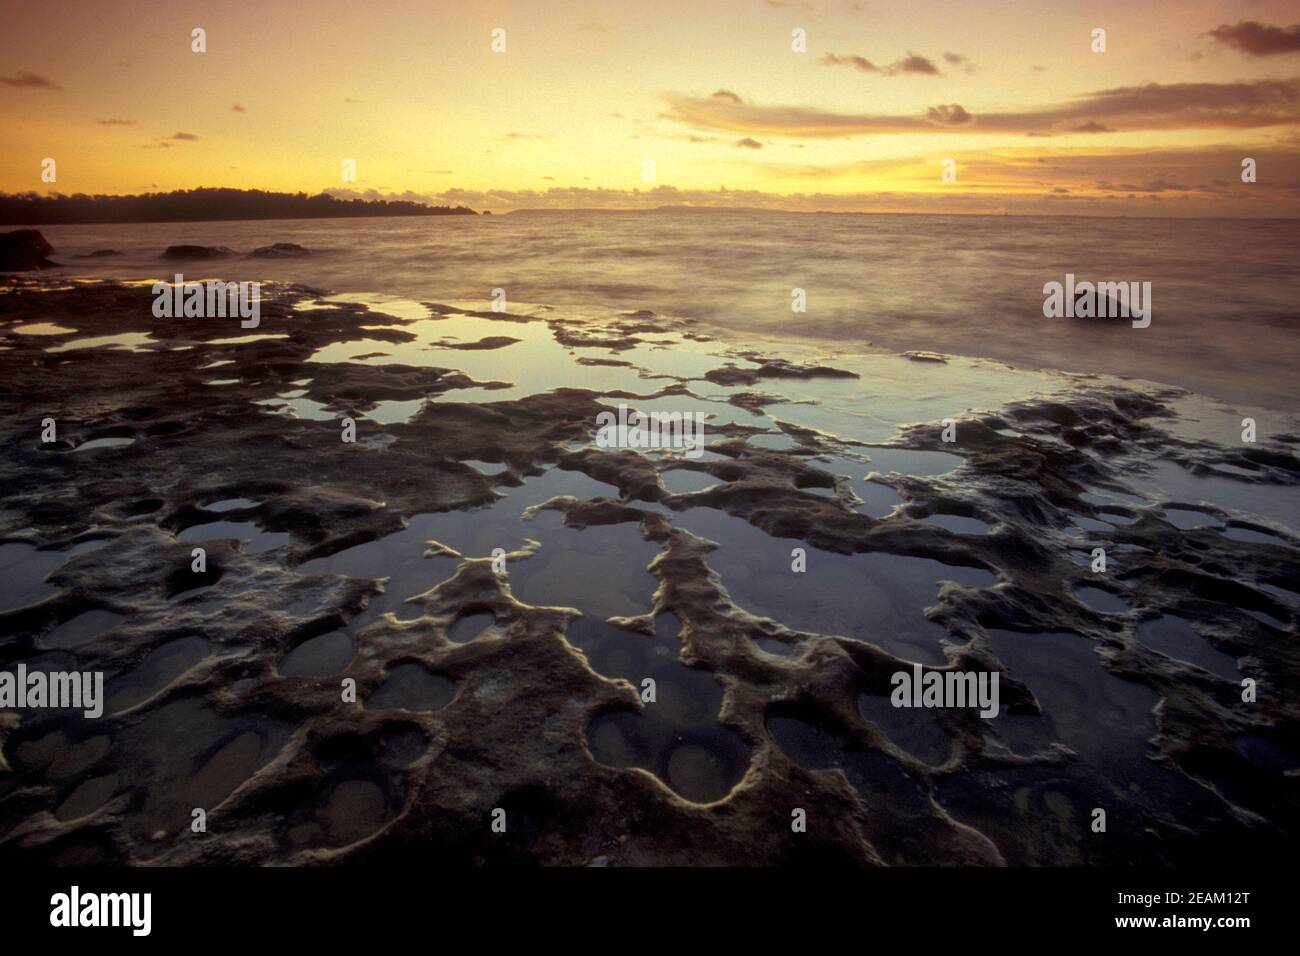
[(710, 91)]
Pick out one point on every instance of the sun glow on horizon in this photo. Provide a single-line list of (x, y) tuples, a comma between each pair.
[(717, 98)]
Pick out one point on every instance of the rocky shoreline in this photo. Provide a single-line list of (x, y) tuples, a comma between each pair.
[(539, 713)]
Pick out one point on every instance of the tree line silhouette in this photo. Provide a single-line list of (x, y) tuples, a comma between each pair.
[(202, 205)]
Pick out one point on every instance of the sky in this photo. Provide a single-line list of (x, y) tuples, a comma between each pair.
[(642, 103)]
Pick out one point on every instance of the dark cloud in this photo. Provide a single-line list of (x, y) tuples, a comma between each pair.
[(1240, 105), (238, 109), (748, 143), (727, 95), (30, 80), (185, 137), (1258, 39), (115, 122), (1155, 106), (912, 63)]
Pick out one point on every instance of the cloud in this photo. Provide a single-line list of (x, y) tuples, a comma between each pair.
[(185, 137), (748, 143), (30, 80), (959, 59), (1088, 173), (1258, 39), (727, 95), (948, 114), (912, 63), (1153, 186), (1155, 106), (115, 122), (858, 62), (710, 114), (1239, 105), (1045, 196), (1091, 127), (238, 109)]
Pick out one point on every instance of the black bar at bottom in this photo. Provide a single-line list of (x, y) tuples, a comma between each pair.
[(334, 905)]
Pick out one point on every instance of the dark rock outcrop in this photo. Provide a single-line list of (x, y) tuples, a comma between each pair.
[(197, 252), (24, 249), (1102, 306), (280, 250)]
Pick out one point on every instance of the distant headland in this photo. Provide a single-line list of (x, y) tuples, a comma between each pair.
[(202, 205)]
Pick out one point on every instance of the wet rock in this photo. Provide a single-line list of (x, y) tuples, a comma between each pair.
[(607, 363), (1103, 306), (488, 690), (923, 356), (484, 344), (772, 369)]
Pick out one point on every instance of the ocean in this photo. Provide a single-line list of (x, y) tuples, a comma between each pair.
[(1224, 292)]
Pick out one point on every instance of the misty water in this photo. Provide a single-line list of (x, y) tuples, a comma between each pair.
[(1223, 292)]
